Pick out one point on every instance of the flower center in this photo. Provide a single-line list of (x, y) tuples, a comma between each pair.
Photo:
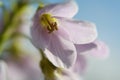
[(48, 22)]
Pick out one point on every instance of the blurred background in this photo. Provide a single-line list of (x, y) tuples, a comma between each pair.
[(104, 13)]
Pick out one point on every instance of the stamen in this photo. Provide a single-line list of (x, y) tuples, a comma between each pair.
[(48, 22)]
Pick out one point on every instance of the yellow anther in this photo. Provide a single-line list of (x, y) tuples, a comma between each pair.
[(48, 22)]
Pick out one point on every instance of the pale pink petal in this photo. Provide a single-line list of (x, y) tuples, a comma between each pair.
[(61, 52), (101, 51), (26, 68), (80, 65), (40, 37), (68, 9), (81, 32), (63, 33), (85, 48), (97, 49)]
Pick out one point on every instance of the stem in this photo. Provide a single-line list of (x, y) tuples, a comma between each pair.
[(47, 67)]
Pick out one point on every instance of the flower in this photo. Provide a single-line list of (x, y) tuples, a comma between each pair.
[(22, 68), (52, 72), (80, 65), (55, 32), (98, 49)]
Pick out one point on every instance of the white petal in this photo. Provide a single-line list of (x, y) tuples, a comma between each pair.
[(62, 53), (81, 32), (68, 9)]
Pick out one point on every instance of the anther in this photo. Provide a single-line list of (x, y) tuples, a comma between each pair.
[(48, 22)]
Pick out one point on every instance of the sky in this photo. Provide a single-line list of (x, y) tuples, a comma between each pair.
[(106, 15)]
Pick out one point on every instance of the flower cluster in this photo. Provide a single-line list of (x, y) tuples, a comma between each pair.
[(63, 41)]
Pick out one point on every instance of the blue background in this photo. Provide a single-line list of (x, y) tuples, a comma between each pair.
[(106, 15)]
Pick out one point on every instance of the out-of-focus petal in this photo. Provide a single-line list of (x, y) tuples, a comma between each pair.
[(101, 51), (97, 49), (3, 70), (85, 48), (68, 9), (40, 38), (26, 68), (15, 73), (81, 32), (80, 65), (62, 53)]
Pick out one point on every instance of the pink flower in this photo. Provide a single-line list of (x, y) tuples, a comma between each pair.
[(56, 33), (24, 68), (77, 70), (52, 72), (74, 73), (98, 49)]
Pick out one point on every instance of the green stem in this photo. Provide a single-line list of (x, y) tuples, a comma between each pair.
[(47, 67), (9, 25)]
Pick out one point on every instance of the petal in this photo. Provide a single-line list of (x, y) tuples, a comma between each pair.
[(80, 65), (63, 33), (61, 52), (101, 51), (81, 32), (97, 49), (85, 48), (3, 70), (70, 8), (40, 38), (26, 67)]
